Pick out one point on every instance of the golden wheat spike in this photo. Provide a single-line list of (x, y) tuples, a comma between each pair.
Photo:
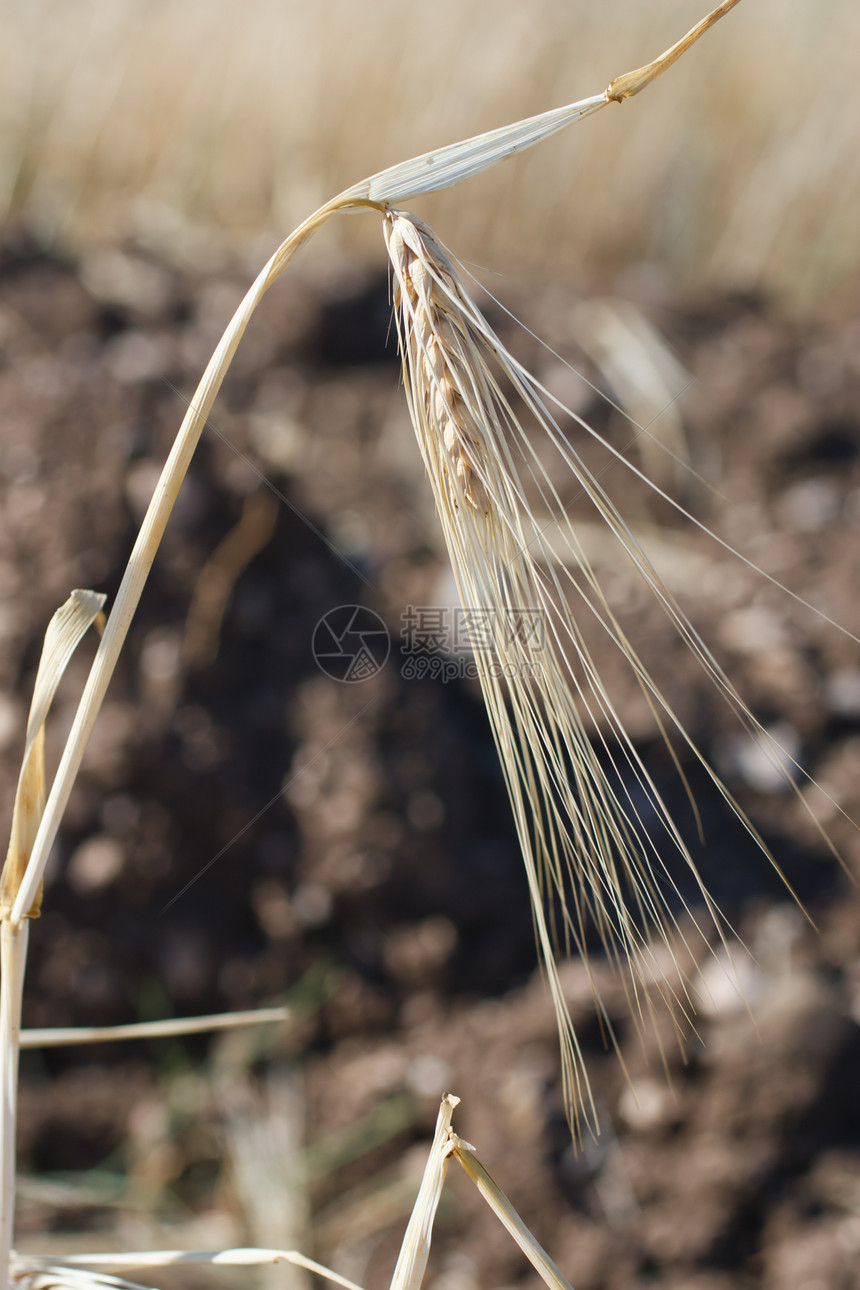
[(590, 859)]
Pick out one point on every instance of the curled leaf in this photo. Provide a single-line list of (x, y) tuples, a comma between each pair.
[(65, 632)]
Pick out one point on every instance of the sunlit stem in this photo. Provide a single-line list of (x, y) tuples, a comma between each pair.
[(13, 961), (148, 539)]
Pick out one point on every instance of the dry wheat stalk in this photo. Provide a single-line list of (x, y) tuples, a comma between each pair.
[(539, 758), (571, 821), (426, 173)]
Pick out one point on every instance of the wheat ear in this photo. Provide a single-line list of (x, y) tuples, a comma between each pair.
[(579, 803), (461, 415)]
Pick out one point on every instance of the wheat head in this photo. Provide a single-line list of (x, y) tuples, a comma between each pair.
[(579, 803)]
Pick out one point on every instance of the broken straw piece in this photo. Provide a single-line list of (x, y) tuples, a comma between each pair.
[(415, 1250), (507, 1215)]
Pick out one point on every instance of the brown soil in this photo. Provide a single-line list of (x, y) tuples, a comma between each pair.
[(381, 891)]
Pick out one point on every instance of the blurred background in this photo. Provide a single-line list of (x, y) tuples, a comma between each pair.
[(248, 830), (211, 129)]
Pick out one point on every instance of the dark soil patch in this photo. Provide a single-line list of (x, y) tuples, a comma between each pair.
[(247, 828)]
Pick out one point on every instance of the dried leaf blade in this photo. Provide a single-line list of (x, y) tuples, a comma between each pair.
[(65, 631)]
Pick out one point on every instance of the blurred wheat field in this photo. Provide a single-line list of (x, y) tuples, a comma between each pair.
[(204, 129)]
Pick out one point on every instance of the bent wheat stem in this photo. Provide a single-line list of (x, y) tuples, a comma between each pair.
[(146, 545), (586, 848)]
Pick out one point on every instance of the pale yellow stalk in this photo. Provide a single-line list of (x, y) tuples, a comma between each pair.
[(73, 1035), (566, 812), (498, 1202), (65, 632)]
